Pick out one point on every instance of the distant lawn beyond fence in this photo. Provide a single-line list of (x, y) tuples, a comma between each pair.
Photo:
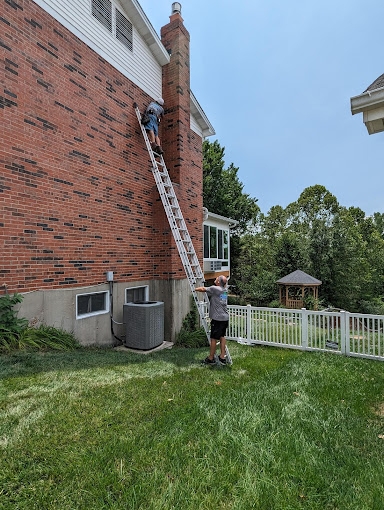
[(104, 429), (352, 334)]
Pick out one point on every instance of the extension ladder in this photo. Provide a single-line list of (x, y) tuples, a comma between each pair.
[(180, 232)]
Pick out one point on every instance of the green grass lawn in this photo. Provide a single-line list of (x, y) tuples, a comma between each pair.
[(104, 429)]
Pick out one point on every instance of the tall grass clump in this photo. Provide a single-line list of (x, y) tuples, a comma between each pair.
[(15, 334)]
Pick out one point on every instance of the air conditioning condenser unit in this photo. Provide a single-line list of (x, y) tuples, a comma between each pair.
[(144, 324)]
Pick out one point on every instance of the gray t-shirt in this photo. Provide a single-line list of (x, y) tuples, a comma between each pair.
[(155, 108), (218, 299)]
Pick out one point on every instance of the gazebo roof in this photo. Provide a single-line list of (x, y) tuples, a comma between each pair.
[(299, 278)]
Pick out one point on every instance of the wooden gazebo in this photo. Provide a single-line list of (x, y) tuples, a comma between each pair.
[(295, 287)]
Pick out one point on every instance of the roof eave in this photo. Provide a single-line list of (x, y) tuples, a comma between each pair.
[(313, 284), (201, 118), (230, 221), (369, 100)]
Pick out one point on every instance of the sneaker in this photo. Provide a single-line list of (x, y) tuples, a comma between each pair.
[(159, 150), (222, 361), (208, 361)]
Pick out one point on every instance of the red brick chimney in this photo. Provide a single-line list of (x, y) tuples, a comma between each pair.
[(176, 93), (182, 146)]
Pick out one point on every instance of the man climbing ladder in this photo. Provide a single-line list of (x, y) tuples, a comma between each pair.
[(155, 112)]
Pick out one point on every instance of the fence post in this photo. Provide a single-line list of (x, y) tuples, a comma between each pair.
[(344, 332), (249, 334), (304, 328)]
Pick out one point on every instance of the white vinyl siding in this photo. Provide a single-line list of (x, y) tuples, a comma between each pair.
[(139, 65)]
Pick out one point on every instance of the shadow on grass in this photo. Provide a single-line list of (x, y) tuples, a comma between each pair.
[(27, 363)]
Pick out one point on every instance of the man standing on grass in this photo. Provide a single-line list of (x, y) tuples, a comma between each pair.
[(218, 313)]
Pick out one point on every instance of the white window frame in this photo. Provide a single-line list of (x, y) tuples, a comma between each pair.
[(146, 292), (98, 312)]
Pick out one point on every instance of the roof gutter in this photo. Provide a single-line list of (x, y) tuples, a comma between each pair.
[(367, 101), (201, 118)]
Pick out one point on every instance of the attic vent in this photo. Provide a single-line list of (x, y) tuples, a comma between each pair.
[(102, 11), (124, 30), (114, 21)]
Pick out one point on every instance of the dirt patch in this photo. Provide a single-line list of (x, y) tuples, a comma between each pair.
[(379, 409)]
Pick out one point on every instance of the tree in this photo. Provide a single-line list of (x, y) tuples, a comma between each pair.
[(223, 191), (255, 273), (378, 222), (341, 247)]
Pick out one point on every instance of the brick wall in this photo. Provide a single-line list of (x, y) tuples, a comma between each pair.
[(77, 197)]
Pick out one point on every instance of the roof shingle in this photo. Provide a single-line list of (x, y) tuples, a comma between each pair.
[(299, 278), (377, 84)]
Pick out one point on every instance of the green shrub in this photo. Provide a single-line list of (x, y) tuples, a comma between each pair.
[(192, 339), (191, 334), (374, 306), (275, 304), (16, 335), (11, 326), (312, 303)]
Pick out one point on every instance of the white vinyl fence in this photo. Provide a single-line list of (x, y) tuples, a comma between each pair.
[(351, 334)]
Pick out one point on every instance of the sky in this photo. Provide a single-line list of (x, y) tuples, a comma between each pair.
[(275, 78)]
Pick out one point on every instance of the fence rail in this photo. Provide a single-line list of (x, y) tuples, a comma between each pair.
[(351, 334)]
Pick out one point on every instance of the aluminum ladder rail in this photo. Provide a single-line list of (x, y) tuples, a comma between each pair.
[(180, 232)]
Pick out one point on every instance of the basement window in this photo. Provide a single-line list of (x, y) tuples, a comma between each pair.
[(91, 304), (134, 294), (106, 12)]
